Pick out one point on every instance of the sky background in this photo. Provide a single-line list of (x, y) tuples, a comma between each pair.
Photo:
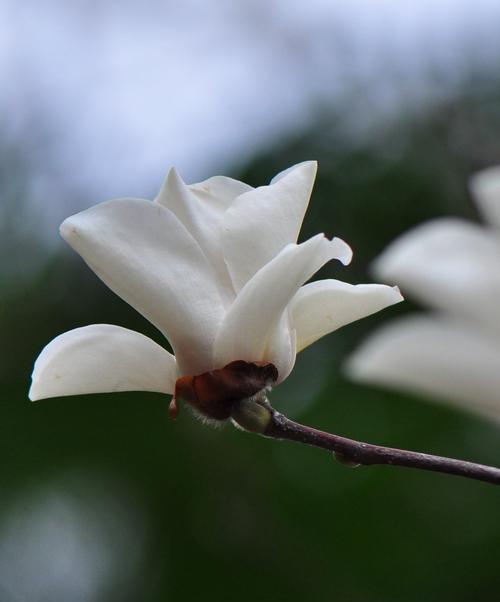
[(105, 96)]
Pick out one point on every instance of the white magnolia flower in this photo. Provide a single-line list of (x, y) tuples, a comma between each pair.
[(453, 266), (215, 266)]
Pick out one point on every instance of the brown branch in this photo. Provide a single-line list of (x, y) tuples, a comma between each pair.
[(356, 453)]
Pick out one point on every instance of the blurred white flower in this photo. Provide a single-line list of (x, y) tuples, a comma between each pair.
[(216, 268), (453, 266)]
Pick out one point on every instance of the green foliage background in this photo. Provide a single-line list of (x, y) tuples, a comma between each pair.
[(234, 516)]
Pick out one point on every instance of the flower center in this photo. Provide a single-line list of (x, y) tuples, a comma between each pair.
[(215, 393)]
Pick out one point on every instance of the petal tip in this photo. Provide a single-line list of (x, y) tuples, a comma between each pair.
[(305, 168), (173, 175), (398, 297), (311, 165), (308, 169), (32, 393), (361, 366), (68, 229), (486, 181), (388, 264), (345, 252), (485, 188)]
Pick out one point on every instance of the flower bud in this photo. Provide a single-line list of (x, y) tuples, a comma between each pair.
[(345, 460), (251, 415)]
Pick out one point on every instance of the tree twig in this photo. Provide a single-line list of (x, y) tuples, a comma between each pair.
[(354, 453)]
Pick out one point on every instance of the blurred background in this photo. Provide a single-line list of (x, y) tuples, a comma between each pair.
[(103, 498)]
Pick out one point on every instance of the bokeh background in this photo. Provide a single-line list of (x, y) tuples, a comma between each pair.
[(102, 497)]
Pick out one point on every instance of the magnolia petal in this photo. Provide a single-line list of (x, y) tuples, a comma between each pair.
[(280, 175), (200, 210), (485, 187), (260, 223), (436, 357), (449, 264), (324, 306), (246, 328), (215, 194), (146, 256), (281, 349), (219, 191), (102, 359)]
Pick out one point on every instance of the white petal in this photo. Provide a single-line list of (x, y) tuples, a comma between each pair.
[(146, 256), (281, 349), (313, 165), (485, 187), (324, 306), (201, 211), (450, 264), (219, 191), (255, 313), (260, 223), (101, 359), (435, 357)]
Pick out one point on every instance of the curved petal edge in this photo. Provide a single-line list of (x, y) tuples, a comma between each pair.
[(321, 307), (143, 253), (258, 308), (485, 187), (102, 358), (260, 223), (435, 357)]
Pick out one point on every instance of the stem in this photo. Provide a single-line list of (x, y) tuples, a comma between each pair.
[(356, 453)]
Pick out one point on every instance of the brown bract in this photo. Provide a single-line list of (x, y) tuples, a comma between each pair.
[(214, 393)]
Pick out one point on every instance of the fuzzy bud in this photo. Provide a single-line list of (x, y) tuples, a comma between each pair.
[(251, 415)]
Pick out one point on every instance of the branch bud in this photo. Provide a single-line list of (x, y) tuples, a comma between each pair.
[(346, 460), (251, 415)]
